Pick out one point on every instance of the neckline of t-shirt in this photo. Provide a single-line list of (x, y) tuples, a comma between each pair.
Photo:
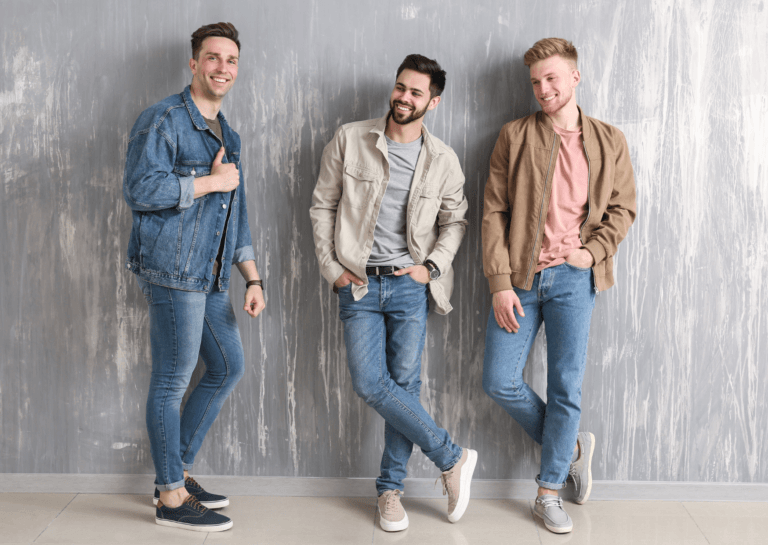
[(566, 132), (418, 142)]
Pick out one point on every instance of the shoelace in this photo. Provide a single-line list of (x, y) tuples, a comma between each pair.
[(549, 500), (572, 471), (447, 488), (392, 500), (193, 482), (194, 504)]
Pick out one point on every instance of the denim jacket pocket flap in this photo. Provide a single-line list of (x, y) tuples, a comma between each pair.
[(196, 170)]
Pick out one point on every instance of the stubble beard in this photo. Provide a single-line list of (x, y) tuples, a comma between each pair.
[(412, 116)]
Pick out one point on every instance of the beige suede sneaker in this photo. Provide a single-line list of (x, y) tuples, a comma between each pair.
[(392, 516), (456, 483)]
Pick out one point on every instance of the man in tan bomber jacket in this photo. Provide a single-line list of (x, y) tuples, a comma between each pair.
[(560, 197), (388, 217)]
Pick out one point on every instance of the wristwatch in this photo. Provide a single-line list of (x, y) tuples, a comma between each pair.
[(259, 283), (434, 272)]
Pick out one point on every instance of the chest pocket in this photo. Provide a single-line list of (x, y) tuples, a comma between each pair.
[(192, 168), (357, 185)]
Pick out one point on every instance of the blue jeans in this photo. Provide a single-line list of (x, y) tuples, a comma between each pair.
[(184, 325), (384, 334), (563, 298)]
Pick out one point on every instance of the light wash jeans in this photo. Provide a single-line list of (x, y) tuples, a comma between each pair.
[(184, 325), (563, 298), (384, 334)]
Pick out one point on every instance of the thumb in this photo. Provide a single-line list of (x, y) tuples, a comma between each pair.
[(217, 160)]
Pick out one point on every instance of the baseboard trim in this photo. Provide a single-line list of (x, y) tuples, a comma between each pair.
[(341, 487)]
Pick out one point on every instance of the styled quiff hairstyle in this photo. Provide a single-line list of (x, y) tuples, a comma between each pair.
[(216, 30), (549, 47), (428, 67)]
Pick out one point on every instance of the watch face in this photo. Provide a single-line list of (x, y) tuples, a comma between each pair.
[(434, 274)]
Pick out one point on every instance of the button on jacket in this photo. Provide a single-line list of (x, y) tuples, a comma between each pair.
[(354, 172), (517, 199), (175, 238)]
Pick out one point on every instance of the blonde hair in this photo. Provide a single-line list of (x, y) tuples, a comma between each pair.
[(549, 47)]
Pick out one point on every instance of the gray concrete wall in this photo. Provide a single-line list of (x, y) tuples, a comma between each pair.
[(677, 380)]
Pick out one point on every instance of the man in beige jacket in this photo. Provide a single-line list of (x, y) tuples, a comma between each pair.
[(559, 199), (388, 217)]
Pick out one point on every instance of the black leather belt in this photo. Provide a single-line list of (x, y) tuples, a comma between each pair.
[(381, 271)]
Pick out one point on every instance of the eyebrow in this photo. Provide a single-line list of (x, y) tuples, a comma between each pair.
[(544, 76), (215, 54), (401, 84)]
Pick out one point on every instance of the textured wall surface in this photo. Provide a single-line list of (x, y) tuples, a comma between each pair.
[(677, 379)]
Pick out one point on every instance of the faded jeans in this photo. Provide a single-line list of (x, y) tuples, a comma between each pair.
[(563, 298), (384, 334), (184, 325)]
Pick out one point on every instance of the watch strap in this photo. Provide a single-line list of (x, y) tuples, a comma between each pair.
[(259, 283)]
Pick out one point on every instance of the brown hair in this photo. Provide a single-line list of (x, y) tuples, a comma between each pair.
[(428, 67), (549, 47), (215, 30)]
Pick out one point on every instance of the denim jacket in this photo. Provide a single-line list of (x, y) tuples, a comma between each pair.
[(175, 238)]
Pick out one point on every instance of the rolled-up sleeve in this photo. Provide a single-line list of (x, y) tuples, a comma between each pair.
[(244, 245)]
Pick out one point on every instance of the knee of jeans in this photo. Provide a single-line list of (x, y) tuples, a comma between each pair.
[(236, 370), (498, 390), (369, 391)]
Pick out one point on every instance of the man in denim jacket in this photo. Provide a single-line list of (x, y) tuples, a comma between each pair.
[(388, 217), (190, 224)]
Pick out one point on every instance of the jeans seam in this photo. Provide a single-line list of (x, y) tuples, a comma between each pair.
[(218, 389), (167, 391), (517, 366)]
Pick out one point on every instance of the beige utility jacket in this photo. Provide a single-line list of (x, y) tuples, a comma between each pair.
[(354, 172), (517, 199)]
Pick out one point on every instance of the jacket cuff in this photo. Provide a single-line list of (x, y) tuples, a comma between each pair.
[(500, 282), (596, 249), (242, 254), (187, 192), (442, 265), (333, 271)]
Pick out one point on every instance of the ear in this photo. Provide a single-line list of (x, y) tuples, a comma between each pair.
[(193, 66), (434, 101), (576, 75)]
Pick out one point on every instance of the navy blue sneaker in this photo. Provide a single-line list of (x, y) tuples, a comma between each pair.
[(211, 501), (191, 515)]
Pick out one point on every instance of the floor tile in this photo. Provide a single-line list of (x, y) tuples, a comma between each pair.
[(114, 519), (25, 516), (626, 523), (485, 521), (297, 521), (725, 523)]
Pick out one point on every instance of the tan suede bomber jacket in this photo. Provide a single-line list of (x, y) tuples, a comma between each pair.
[(354, 172), (517, 199)]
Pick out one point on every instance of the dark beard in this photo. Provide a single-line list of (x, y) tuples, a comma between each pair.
[(413, 115)]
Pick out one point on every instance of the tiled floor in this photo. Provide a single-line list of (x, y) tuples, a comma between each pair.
[(102, 519)]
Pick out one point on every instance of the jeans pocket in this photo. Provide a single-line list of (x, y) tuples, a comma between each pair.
[(574, 267), (412, 279), (146, 289)]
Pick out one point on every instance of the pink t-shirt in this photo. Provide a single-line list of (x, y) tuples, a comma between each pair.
[(568, 201)]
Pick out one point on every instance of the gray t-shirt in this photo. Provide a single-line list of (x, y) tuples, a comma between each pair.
[(390, 246)]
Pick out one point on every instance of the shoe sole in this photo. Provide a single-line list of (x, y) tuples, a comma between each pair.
[(465, 480), (589, 470), (392, 526), (209, 504), (554, 529), (195, 527)]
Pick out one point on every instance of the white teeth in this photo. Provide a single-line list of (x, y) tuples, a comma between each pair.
[(403, 109), (547, 99), (220, 80)]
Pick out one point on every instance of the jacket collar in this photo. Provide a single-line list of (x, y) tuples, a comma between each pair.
[(381, 125), (586, 129), (197, 118)]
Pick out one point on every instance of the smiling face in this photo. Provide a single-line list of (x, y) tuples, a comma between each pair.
[(554, 80), (215, 69), (411, 98)]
